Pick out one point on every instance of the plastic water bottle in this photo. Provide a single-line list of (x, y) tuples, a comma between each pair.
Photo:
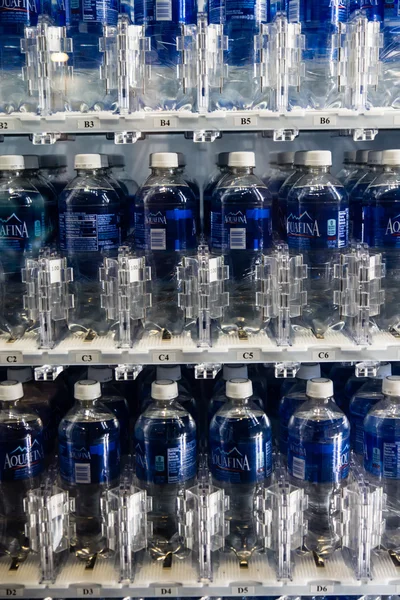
[(53, 168), (241, 230), (165, 232), (90, 227), (114, 401), (369, 394), (45, 188), (362, 223), (298, 171), (172, 373), (381, 456), (191, 181), (293, 398), (166, 460), (24, 224), (274, 181), (318, 462), (240, 456), (317, 227), (21, 465), (89, 463), (361, 165), (208, 190), (349, 165), (340, 373)]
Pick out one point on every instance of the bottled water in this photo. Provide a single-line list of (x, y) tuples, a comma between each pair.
[(340, 373), (369, 394), (241, 230), (240, 443), (166, 461), (34, 176), (53, 168), (90, 227), (211, 184), (390, 57), (362, 168), (165, 232), (172, 373), (274, 182), (349, 165), (294, 398), (192, 183), (114, 401), (89, 463), (353, 384), (381, 456), (362, 223), (317, 226), (24, 224), (21, 465), (298, 171), (318, 462)]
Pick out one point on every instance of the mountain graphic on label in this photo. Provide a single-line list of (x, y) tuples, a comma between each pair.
[(293, 217), (10, 218), (157, 214), (21, 449), (235, 214), (230, 453)]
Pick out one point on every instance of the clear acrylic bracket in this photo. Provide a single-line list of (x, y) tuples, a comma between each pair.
[(127, 372), (367, 368), (48, 372), (207, 370)]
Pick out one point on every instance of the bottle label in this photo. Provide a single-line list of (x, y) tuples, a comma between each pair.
[(391, 12), (382, 456), (100, 11), (21, 230), (89, 232), (21, 459), (387, 227), (159, 11), (242, 462), (319, 463), (23, 11), (241, 229), (357, 433), (167, 461), (165, 230), (316, 226), (234, 10), (96, 463)]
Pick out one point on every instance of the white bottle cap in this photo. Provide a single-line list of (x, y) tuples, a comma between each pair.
[(89, 161), (319, 387), (239, 388), (362, 157), (164, 389), (242, 159), (300, 157), (181, 159), (31, 161), (234, 372), (87, 389), (222, 159), (12, 162), (391, 157), (309, 371), (172, 372), (318, 158), (164, 160), (349, 157), (285, 158), (100, 374), (11, 390), (374, 157), (391, 385), (21, 374)]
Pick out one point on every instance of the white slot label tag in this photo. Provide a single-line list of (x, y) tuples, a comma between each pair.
[(88, 124), (213, 266), (6, 125), (87, 357), (55, 270), (245, 121), (242, 590), (93, 591), (322, 588), (171, 592), (327, 121), (7, 592), (164, 357), (248, 355), (165, 122), (324, 355), (11, 358), (133, 269)]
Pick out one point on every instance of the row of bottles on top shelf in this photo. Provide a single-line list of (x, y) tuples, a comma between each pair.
[(161, 455)]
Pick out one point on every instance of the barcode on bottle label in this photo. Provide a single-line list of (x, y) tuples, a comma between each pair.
[(55, 270), (82, 472), (6, 592), (294, 11), (299, 468), (134, 269), (158, 239), (237, 238), (213, 266), (163, 10)]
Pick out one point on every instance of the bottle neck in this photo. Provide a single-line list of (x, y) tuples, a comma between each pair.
[(91, 171), (87, 403), (10, 173), (239, 400), (164, 171), (391, 168), (9, 404), (317, 169), (241, 170)]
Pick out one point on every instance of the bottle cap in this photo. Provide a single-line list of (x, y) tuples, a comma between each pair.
[(87, 389), (164, 389), (242, 159), (299, 158), (319, 387), (100, 374), (89, 161), (239, 388), (374, 157), (309, 371), (234, 372), (391, 157), (172, 372), (285, 158), (181, 159), (384, 370), (362, 157), (11, 390), (318, 158), (12, 162), (31, 162), (53, 161), (391, 385), (164, 160), (349, 157), (222, 159), (21, 374)]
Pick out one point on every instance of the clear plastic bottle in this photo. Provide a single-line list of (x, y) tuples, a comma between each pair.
[(369, 394), (166, 460), (89, 463), (298, 171), (293, 398), (317, 227), (240, 457), (165, 232), (45, 188), (241, 230), (381, 456), (53, 168), (318, 462), (90, 227), (349, 165), (21, 466), (274, 181), (208, 190), (361, 165), (361, 215)]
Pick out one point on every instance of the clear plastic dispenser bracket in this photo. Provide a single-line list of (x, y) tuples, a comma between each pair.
[(125, 297), (47, 299), (360, 296)]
